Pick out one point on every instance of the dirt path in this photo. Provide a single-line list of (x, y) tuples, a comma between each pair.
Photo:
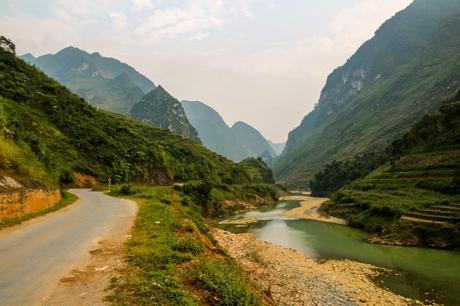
[(309, 209), (65, 257), (292, 278)]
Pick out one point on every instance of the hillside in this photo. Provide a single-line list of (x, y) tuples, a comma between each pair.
[(237, 143), (103, 81), (258, 170), (160, 109), (414, 198), (48, 135), (278, 147), (251, 139), (385, 87)]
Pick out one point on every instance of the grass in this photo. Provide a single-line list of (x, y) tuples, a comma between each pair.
[(67, 199), (172, 258)]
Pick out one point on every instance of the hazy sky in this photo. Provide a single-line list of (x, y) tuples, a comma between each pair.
[(259, 61)]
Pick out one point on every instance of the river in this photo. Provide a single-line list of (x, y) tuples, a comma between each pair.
[(420, 273)]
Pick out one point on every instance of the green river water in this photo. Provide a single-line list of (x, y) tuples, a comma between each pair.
[(424, 274)]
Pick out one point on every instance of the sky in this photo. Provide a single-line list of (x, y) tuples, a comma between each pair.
[(259, 61)]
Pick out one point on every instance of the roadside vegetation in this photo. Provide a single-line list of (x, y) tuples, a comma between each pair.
[(66, 199), (172, 257)]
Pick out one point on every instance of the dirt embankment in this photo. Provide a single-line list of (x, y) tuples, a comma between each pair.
[(309, 209), (16, 200), (292, 278)]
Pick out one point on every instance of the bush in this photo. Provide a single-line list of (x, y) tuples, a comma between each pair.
[(125, 189), (188, 245), (67, 176), (224, 284)]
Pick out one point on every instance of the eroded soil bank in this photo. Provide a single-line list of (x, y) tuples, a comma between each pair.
[(292, 278)]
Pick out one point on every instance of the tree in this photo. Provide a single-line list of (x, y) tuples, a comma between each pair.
[(7, 45)]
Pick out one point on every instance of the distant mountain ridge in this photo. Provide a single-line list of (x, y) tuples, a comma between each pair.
[(393, 79), (237, 143), (160, 109), (105, 82), (251, 139), (278, 147)]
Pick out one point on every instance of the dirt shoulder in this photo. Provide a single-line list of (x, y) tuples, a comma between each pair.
[(87, 282), (309, 209), (292, 278)]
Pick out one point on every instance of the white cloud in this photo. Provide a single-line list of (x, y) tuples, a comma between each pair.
[(199, 36), (119, 20), (316, 54), (142, 4), (192, 17)]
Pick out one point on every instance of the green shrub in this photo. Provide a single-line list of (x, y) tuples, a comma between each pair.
[(224, 284), (67, 176), (125, 189), (188, 245)]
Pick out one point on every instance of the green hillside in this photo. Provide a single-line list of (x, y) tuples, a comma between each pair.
[(161, 109), (103, 81), (117, 95), (414, 199), (47, 133), (396, 77), (258, 170)]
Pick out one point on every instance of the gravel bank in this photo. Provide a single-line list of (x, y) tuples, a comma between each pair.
[(292, 278), (309, 209)]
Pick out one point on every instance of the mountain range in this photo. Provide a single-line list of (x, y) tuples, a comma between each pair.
[(409, 66), (237, 142), (117, 87), (105, 82), (50, 136)]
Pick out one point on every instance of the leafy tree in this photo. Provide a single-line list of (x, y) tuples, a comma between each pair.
[(7, 45)]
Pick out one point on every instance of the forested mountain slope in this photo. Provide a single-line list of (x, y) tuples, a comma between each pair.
[(47, 134), (161, 109), (403, 72), (414, 198), (103, 81)]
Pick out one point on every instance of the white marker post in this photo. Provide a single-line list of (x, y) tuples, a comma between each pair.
[(110, 182)]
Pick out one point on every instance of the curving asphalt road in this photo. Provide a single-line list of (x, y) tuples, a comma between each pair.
[(34, 256)]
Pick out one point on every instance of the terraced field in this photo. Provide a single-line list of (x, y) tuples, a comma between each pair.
[(444, 213), (413, 200)]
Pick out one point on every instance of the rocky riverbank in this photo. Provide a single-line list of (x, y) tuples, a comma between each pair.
[(289, 277)]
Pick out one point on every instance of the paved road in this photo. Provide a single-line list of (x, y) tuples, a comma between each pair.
[(36, 255)]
